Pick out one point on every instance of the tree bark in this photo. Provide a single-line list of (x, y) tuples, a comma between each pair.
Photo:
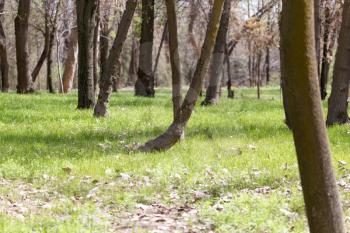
[(317, 15), (133, 66), (71, 61), (24, 80), (4, 66), (323, 207), (217, 60), (112, 62), (86, 21), (338, 100), (95, 48), (176, 129), (145, 83)]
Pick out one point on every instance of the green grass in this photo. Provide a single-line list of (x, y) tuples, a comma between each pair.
[(233, 149)]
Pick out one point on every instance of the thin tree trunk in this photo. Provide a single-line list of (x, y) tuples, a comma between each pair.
[(4, 66), (86, 21), (95, 48), (325, 62), (174, 58), (217, 60), (71, 61), (230, 92), (338, 100), (145, 83), (176, 129), (50, 87), (165, 32), (258, 74), (323, 207), (317, 15), (114, 54), (24, 80), (133, 62)]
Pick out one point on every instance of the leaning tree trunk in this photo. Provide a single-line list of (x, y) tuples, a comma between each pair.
[(338, 100), (86, 21), (4, 66), (176, 129), (323, 207), (71, 61), (112, 62), (145, 83), (217, 60), (24, 80)]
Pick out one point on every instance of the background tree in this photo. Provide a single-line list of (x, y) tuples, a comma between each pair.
[(338, 100), (145, 83), (86, 21), (24, 80), (4, 66)]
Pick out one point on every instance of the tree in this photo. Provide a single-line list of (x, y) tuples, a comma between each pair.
[(86, 21), (323, 207), (217, 60), (4, 66), (114, 54), (145, 83), (71, 61), (338, 100), (24, 80), (174, 133)]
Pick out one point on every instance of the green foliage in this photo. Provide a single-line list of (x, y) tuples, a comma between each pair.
[(237, 165)]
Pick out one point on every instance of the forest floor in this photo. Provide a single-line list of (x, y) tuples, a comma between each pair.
[(61, 170)]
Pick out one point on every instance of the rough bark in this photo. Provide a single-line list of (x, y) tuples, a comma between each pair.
[(86, 21), (24, 80), (323, 207), (176, 129), (71, 61), (112, 62), (95, 48), (145, 83), (217, 60), (4, 66), (338, 100)]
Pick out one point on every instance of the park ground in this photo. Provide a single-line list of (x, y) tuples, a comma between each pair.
[(61, 170)]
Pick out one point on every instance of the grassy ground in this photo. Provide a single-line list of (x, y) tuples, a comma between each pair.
[(61, 170)]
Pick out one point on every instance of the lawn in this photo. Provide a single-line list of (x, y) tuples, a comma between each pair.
[(61, 170)]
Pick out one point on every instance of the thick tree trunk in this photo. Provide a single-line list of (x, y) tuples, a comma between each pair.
[(325, 60), (4, 66), (71, 61), (86, 21), (95, 50), (175, 131), (112, 62), (145, 83), (321, 196), (217, 60), (24, 80), (338, 100), (104, 43)]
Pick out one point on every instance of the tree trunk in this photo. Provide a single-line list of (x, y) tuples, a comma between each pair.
[(4, 66), (86, 21), (145, 83), (230, 92), (24, 81), (176, 129), (338, 100), (112, 62), (71, 61), (50, 87), (325, 61), (174, 58), (95, 50), (323, 207), (217, 60), (133, 62)]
